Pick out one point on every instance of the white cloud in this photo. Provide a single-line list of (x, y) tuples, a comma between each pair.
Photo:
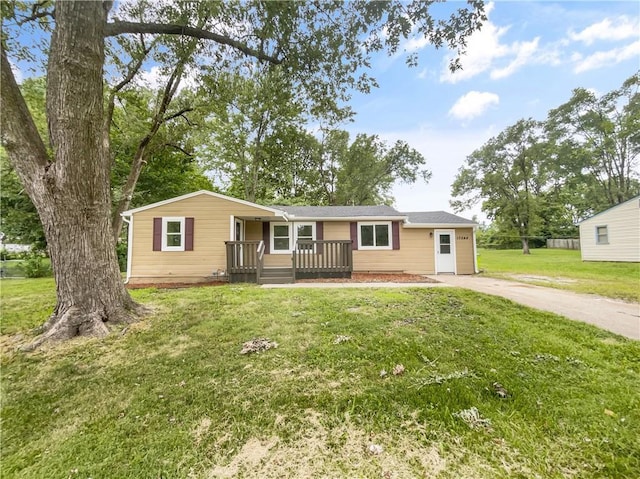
[(473, 104), (483, 49), (619, 28), (152, 78), (155, 79), (524, 53), (423, 74), (607, 58), (486, 51)]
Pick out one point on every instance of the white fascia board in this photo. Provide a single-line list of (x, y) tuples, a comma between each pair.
[(197, 193)]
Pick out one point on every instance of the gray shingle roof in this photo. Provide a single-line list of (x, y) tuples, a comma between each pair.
[(437, 217), (339, 211)]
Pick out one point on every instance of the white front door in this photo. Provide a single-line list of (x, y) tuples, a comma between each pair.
[(445, 251)]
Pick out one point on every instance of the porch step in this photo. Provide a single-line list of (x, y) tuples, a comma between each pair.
[(276, 276)]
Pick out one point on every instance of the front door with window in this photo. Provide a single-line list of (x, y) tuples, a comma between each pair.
[(445, 252)]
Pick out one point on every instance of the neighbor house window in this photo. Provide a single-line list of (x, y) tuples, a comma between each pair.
[(602, 235), (374, 235), (173, 230)]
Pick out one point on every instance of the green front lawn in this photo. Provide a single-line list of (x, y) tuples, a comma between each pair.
[(564, 269), (172, 397)]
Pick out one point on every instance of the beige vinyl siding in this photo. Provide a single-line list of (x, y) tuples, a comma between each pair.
[(212, 227), (623, 234), (253, 231), (414, 256), (464, 251)]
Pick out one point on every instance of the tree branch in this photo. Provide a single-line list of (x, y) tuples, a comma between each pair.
[(176, 147), (177, 114), (118, 27), (134, 67), (20, 136), (36, 14)]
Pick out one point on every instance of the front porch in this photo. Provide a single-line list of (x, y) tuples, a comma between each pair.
[(309, 259)]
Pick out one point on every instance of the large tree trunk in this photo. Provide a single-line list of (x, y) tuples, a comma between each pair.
[(525, 245), (71, 193)]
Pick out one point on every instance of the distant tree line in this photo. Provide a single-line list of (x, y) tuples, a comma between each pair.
[(537, 179)]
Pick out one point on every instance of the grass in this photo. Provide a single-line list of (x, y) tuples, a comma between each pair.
[(173, 398), (564, 269), (12, 268)]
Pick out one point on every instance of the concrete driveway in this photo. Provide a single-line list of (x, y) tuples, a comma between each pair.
[(615, 316)]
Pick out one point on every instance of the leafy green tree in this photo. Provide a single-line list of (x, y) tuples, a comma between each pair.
[(324, 46), (598, 145), (509, 174), (370, 167), (254, 122), (19, 220)]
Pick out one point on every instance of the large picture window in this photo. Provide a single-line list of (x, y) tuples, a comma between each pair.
[(602, 235), (374, 235), (173, 230)]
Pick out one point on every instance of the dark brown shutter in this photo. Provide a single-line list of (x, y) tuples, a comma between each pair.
[(157, 234), (354, 234), (319, 236), (395, 234), (265, 236), (188, 234)]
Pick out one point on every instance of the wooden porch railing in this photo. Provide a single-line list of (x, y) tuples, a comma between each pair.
[(322, 258), (242, 260)]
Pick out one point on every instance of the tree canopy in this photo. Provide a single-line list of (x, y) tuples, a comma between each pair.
[(323, 47), (540, 178)]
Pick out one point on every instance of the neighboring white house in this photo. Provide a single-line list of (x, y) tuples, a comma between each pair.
[(613, 235)]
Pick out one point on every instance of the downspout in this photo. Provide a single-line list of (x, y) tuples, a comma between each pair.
[(475, 252), (129, 245)]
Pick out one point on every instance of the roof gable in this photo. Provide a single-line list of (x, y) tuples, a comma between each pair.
[(198, 193), (635, 198)]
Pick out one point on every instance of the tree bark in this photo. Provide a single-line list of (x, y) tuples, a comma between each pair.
[(525, 245), (71, 194)]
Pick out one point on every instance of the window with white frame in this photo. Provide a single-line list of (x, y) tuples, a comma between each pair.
[(173, 230), (602, 235), (280, 238), (305, 231), (374, 235), (285, 235)]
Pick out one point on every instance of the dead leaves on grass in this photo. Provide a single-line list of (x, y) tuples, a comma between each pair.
[(258, 345)]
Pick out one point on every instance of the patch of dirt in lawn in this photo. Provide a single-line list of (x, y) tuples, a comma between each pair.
[(344, 450), (542, 279)]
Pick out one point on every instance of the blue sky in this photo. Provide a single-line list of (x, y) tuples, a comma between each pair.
[(526, 60)]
